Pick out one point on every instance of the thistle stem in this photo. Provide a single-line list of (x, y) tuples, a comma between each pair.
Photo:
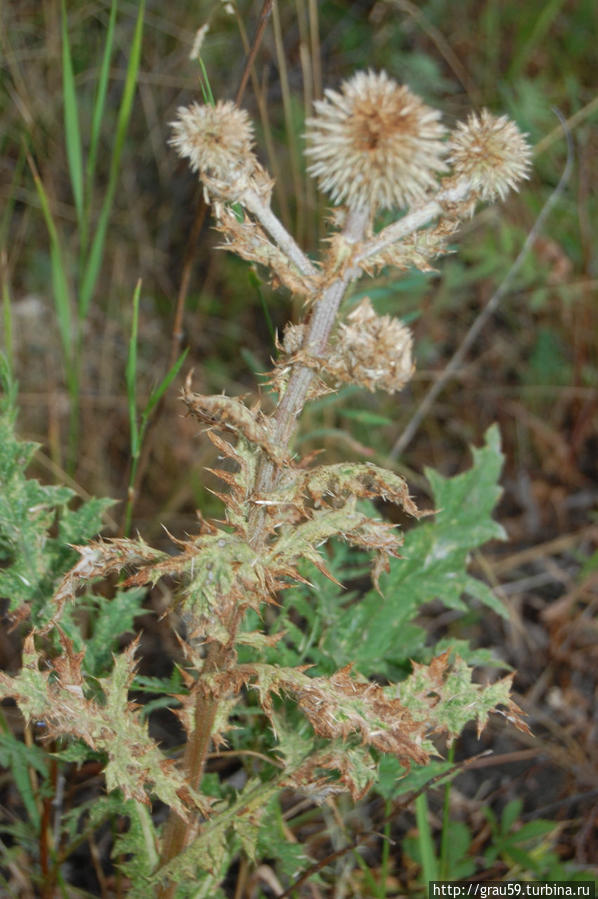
[(276, 229), (415, 220), (176, 830), (318, 332), (289, 407)]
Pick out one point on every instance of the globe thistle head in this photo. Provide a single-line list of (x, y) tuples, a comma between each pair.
[(218, 141), (491, 152), (374, 144)]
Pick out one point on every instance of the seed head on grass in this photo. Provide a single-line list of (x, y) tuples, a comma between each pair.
[(491, 152), (374, 144)]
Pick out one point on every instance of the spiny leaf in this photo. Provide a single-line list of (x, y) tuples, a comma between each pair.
[(249, 241), (334, 484), (135, 764), (99, 559), (337, 706), (446, 695), (339, 767), (229, 414), (213, 850), (301, 541)]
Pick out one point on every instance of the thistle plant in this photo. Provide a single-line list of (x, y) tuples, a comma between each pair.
[(372, 146)]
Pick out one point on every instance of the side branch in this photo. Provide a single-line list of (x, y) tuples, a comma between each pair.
[(276, 229), (415, 220)]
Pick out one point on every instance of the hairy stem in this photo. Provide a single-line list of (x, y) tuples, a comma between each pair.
[(318, 332), (176, 830)]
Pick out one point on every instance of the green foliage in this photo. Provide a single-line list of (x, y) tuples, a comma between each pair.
[(272, 842), (135, 849), (459, 864), (38, 528), (376, 633), (528, 848), (72, 307), (37, 525), (85, 693), (329, 626), (109, 620), (328, 616), (22, 760), (137, 427)]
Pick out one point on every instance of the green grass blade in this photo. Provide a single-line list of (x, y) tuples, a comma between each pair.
[(386, 844), (206, 87), (94, 261), (20, 760), (6, 311), (69, 337), (543, 22), (99, 104), (425, 841), (5, 225), (159, 391), (138, 431), (369, 879), (8, 403), (446, 821), (9, 200), (71, 119), (255, 282), (60, 288), (131, 374)]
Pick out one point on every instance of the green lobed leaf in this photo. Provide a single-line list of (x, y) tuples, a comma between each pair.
[(433, 565), (272, 842), (135, 850), (465, 502), (395, 780), (111, 618)]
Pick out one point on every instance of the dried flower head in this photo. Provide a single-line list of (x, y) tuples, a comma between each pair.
[(374, 143), (372, 350), (492, 152), (218, 142)]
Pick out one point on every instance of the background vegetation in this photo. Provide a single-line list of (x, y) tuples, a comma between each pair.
[(69, 313)]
